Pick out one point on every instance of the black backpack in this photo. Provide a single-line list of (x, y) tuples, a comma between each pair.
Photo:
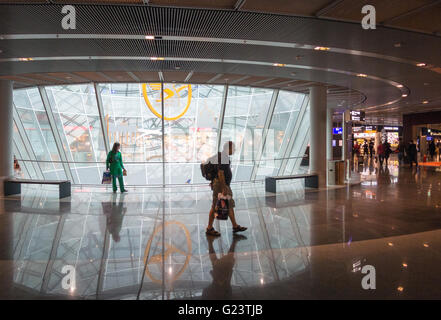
[(209, 169)]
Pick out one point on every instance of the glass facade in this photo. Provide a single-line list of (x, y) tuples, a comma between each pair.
[(65, 132)]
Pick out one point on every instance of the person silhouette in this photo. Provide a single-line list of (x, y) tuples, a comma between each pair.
[(115, 215), (222, 271)]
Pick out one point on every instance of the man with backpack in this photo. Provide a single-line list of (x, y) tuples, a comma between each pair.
[(217, 169)]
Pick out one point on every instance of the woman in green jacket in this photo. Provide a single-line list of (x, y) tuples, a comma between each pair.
[(116, 166)]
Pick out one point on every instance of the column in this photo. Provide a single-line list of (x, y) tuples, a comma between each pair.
[(6, 170), (6, 130), (317, 149)]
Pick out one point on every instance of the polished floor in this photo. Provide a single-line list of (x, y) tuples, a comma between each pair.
[(301, 244)]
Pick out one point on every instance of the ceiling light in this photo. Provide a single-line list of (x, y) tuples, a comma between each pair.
[(425, 102), (397, 45), (279, 64), (421, 65), (156, 58), (399, 85), (25, 59), (404, 95), (322, 48), (362, 75), (150, 37)]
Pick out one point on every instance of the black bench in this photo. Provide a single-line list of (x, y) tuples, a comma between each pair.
[(311, 181), (13, 186)]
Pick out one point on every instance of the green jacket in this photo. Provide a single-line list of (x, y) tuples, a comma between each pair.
[(114, 163)]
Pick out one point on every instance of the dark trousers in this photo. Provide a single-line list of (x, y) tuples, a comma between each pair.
[(412, 159)]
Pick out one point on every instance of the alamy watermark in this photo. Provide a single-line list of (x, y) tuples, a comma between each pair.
[(370, 18)]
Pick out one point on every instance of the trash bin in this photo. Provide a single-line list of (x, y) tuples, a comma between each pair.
[(336, 172)]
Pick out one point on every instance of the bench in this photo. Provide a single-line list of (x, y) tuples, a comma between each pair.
[(311, 181), (13, 186)]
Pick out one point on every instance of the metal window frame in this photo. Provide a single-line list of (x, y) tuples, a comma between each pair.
[(222, 117), (99, 102)]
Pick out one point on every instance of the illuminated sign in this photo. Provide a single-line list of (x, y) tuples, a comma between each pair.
[(357, 115), (391, 128), (177, 99), (337, 130)]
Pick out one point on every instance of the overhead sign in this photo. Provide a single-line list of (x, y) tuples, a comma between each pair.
[(358, 116)]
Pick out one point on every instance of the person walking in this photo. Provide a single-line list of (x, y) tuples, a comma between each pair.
[(221, 184), (365, 149), (115, 164), (400, 152), (380, 153), (413, 153), (387, 151), (371, 148), (432, 149)]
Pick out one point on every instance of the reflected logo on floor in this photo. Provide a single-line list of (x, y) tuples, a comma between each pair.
[(68, 282)]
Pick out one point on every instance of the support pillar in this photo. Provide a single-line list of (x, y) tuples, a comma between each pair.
[(6, 131), (317, 153)]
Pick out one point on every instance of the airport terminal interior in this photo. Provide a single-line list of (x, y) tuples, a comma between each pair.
[(328, 113)]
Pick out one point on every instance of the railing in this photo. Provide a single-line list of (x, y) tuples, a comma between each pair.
[(268, 163)]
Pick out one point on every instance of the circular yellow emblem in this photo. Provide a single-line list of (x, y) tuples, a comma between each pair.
[(180, 249), (176, 96)]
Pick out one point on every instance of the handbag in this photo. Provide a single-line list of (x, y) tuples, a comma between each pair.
[(222, 209), (124, 172), (107, 178)]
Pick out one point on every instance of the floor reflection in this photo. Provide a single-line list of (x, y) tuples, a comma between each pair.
[(150, 243)]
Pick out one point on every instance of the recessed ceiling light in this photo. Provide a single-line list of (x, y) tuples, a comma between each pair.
[(404, 95), (156, 58), (150, 37), (425, 102), (362, 75), (322, 48), (421, 65), (25, 59), (279, 64), (399, 86)]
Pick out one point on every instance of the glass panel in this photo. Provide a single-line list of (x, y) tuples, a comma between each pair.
[(245, 114), (283, 121), (36, 124), (191, 126), (294, 165), (132, 116), (81, 134), (129, 121)]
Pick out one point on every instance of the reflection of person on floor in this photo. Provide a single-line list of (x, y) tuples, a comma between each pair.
[(384, 175), (222, 271), (115, 215)]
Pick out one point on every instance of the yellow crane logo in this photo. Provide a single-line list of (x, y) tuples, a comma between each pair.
[(174, 98)]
